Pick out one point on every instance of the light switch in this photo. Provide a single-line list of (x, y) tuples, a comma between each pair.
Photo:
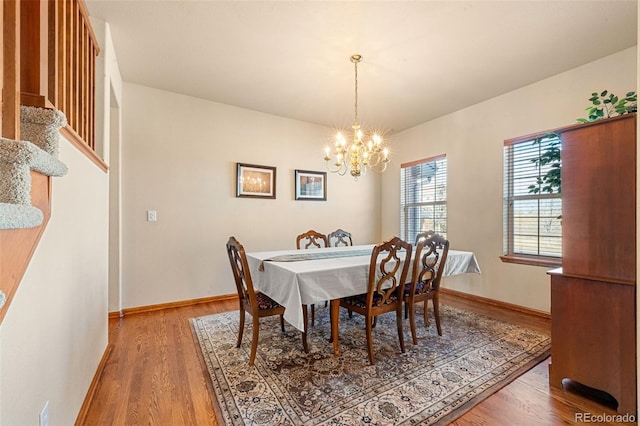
[(152, 216)]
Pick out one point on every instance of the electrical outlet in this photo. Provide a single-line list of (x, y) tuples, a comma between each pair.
[(44, 415), (152, 216)]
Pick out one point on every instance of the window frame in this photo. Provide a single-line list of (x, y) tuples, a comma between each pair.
[(404, 226), (509, 256)]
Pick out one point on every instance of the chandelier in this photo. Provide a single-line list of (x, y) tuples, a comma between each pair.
[(367, 151)]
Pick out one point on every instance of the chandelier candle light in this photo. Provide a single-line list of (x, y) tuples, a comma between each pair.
[(358, 156)]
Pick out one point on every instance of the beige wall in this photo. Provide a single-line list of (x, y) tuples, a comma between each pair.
[(473, 139), (179, 158), (55, 331)]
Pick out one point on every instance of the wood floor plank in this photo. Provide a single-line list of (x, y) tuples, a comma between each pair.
[(155, 375)]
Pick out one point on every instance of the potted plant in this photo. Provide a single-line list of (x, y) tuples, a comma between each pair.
[(607, 105)]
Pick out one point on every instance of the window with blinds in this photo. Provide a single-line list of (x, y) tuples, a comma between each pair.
[(423, 197), (532, 203)]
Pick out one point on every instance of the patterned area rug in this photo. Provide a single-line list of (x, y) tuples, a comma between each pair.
[(434, 382)]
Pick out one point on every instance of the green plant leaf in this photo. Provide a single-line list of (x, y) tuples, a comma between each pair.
[(605, 105), (551, 181)]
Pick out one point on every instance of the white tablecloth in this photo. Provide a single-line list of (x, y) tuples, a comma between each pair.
[(295, 283)]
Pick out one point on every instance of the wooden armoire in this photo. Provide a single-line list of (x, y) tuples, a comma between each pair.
[(593, 295)]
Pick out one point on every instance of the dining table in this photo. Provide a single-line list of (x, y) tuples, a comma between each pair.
[(297, 278)]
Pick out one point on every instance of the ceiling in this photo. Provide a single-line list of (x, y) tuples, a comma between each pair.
[(421, 59)]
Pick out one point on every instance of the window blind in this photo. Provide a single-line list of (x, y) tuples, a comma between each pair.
[(423, 197), (532, 206)]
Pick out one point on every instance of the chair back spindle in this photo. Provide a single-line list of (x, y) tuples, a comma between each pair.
[(384, 280), (241, 274), (339, 237), (431, 256), (311, 239)]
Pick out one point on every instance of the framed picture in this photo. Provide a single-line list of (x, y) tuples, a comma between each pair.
[(311, 185), (255, 181)]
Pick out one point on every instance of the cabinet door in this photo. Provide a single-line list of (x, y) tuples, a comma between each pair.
[(593, 332), (598, 200)]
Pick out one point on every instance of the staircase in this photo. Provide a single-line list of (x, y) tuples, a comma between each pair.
[(47, 84), (25, 192)]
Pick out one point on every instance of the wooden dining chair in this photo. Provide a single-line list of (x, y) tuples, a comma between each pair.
[(429, 261), (339, 237), (259, 305), (311, 239), (388, 271)]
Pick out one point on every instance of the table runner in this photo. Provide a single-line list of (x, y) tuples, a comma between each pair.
[(314, 255)]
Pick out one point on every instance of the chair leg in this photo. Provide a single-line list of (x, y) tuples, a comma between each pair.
[(436, 313), (406, 310), (374, 321), (412, 321), (369, 320), (313, 315), (305, 319), (241, 329), (254, 340), (426, 312), (282, 323), (400, 332)]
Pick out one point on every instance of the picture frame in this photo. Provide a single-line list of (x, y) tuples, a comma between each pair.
[(255, 181), (311, 185)]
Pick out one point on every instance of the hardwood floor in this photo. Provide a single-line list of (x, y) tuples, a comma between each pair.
[(155, 376)]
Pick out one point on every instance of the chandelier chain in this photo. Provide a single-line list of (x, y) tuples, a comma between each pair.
[(356, 93)]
